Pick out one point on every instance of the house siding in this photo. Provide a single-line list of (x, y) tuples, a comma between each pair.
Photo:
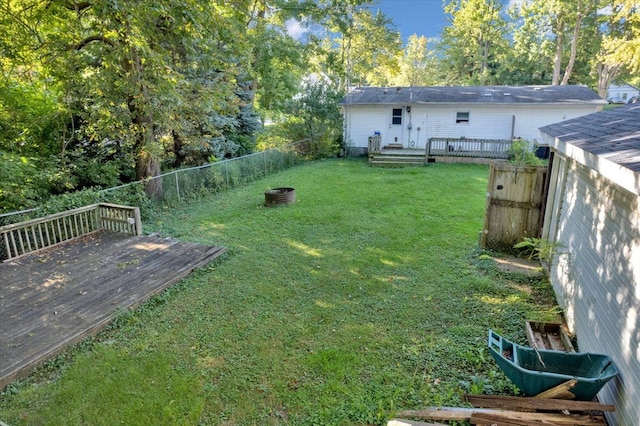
[(596, 273), (439, 121), (622, 92)]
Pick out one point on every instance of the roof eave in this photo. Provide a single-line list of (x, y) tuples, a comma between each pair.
[(621, 175)]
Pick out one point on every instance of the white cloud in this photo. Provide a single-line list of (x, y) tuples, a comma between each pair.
[(294, 29)]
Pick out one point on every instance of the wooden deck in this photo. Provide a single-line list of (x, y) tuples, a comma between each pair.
[(59, 296)]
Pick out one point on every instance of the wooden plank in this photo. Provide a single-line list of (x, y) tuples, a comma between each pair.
[(464, 414), (507, 419), (557, 390), (548, 335), (403, 422), (531, 404), (497, 420)]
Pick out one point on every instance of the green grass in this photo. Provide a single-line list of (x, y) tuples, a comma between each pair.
[(366, 296)]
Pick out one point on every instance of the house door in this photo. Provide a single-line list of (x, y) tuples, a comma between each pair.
[(396, 127)]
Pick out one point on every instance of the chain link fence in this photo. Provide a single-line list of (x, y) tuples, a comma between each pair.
[(182, 185), (15, 217)]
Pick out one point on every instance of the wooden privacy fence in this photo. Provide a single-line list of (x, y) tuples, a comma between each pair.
[(481, 148), (514, 209), (27, 237)]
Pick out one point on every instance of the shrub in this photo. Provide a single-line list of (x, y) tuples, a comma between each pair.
[(521, 154)]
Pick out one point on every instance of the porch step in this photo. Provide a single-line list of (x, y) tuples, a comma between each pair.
[(397, 160), (393, 146)]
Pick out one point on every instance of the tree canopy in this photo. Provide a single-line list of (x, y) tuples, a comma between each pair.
[(99, 92)]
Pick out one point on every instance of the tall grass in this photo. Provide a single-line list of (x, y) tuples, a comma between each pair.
[(366, 296)]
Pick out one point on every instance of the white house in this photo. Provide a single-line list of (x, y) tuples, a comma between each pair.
[(410, 116), (593, 213), (622, 92)]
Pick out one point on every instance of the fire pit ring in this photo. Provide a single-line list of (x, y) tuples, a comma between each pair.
[(277, 196)]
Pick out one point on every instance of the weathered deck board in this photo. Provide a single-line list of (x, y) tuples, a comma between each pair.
[(57, 297)]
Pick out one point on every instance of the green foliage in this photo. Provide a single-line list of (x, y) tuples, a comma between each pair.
[(537, 248), (29, 119), (15, 170), (330, 311), (69, 201), (474, 44), (520, 153), (27, 181), (315, 114), (419, 64)]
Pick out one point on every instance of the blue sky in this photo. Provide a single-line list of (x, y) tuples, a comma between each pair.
[(421, 17)]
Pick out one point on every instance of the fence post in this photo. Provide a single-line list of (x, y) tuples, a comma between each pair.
[(226, 172), (138, 221), (177, 185), (264, 157)]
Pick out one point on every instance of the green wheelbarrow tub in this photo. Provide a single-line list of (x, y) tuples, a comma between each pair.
[(532, 376)]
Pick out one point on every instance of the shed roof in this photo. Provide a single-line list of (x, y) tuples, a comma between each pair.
[(473, 95), (613, 134)]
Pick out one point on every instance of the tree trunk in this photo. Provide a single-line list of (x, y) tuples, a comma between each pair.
[(558, 59), (146, 149), (178, 144), (606, 74), (574, 49)]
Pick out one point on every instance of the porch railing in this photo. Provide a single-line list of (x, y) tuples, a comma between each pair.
[(22, 238), (375, 143), (481, 148)]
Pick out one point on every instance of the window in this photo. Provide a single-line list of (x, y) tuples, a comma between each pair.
[(462, 117), (396, 116)]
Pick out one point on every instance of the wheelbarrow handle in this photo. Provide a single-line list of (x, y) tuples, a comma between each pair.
[(495, 341)]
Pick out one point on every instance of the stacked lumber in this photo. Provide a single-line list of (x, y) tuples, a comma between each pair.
[(494, 410)]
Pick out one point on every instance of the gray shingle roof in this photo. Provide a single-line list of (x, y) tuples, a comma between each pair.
[(473, 95), (613, 134)]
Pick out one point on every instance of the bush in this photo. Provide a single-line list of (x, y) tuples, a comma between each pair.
[(315, 114), (521, 154)]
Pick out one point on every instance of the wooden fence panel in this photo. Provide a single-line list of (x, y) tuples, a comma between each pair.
[(515, 197)]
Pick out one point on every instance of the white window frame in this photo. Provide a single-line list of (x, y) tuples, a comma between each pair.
[(463, 117), (393, 116)]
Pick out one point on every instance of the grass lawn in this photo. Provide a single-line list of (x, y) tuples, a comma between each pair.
[(366, 296)]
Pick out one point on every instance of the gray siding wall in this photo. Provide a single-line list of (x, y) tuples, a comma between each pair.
[(596, 274)]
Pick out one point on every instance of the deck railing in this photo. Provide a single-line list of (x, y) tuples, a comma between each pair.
[(22, 238), (482, 148), (375, 145)]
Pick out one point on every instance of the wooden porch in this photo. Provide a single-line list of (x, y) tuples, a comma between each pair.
[(57, 296), (438, 150)]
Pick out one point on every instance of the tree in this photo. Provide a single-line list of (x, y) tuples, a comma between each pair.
[(529, 59), (137, 73), (358, 47), (474, 42), (418, 64), (373, 49), (582, 9), (620, 47), (315, 114)]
